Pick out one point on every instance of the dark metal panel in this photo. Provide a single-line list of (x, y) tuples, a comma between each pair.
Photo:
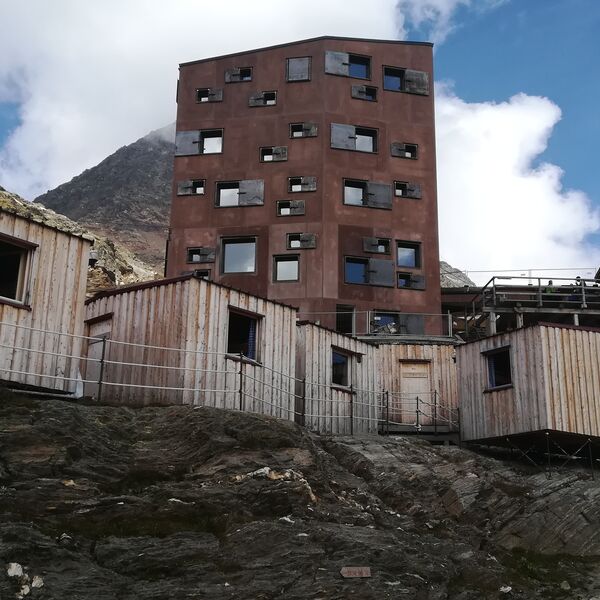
[(309, 129), (416, 82), (381, 272), (187, 142), (398, 149), (252, 192), (413, 190), (343, 136), (215, 95), (280, 153), (379, 195), (298, 69), (309, 184), (370, 244), (412, 324), (337, 63), (185, 187), (257, 99), (296, 207), (232, 75), (308, 240), (417, 282)]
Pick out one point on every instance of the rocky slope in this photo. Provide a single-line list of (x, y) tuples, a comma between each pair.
[(179, 502), (126, 197), (116, 264)]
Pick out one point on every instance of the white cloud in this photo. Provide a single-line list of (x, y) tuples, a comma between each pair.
[(438, 17), (93, 76), (499, 209)]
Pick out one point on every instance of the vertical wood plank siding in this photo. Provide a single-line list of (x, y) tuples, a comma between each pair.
[(328, 408), (191, 317), (444, 379), (57, 279)]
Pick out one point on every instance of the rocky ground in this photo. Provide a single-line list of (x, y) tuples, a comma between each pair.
[(112, 503)]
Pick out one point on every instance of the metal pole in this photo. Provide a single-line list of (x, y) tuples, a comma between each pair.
[(241, 373), (100, 377), (418, 424), (303, 415), (387, 412), (591, 453), (435, 412), (449, 324), (351, 409)]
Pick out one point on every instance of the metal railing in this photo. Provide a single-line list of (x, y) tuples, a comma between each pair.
[(114, 371)]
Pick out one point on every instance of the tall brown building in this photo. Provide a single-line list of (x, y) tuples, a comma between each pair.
[(306, 173)]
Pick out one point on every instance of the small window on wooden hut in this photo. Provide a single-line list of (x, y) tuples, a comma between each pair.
[(242, 335), (340, 368), (13, 271), (499, 368)]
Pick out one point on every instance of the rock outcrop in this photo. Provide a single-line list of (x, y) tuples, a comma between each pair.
[(179, 502)]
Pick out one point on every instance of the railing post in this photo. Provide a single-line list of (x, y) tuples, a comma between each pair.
[(449, 324), (418, 423), (387, 412), (540, 301), (351, 409), (101, 375), (303, 415), (241, 374), (583, 302)]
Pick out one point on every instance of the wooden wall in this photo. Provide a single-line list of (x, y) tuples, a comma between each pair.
[(571, 359), (443, 374), (517, 409), (192, 315), (328, 408), (57, 280)]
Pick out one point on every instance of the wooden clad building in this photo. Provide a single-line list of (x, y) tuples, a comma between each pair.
[(421, 381), (179, 340), (339, 387), (43, 272), (540, 378)]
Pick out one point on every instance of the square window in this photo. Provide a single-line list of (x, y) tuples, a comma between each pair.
[(408, 255), (344, 319), (340, 368), (270, 98), (239, 255), (190, 187), (211, 141), (410, 151), (355, 192), (393, 79), (403, 280), (14, 266), (356, 270), (288, 208), (499, 370), (243, 335), (202, 274), (203, 95), (298, 69), (246, 74), (228, 193), (295, 184), (294, 240), (359, 66), (266, 154), (286, 268), (194, 255)]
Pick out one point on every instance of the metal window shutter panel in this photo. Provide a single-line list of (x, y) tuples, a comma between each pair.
[(185, 187), (337, 63), (360, 92), (413, 190), (280, 153), (257, 99), (207, 255), (215, 94), (379, 195), (381, 272), (416, 82), (417, 282), (232, 75), (187, 143), (298, 69), (309, 184), (296, 207), (370, 244), (398, 149), (308, 240), (252, 192), (343, 136), (309, 129)]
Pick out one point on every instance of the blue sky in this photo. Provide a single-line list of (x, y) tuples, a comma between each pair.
[(517, 182)]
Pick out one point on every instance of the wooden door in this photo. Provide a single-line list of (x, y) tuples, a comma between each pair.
[(415, 394), (98, 331)]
